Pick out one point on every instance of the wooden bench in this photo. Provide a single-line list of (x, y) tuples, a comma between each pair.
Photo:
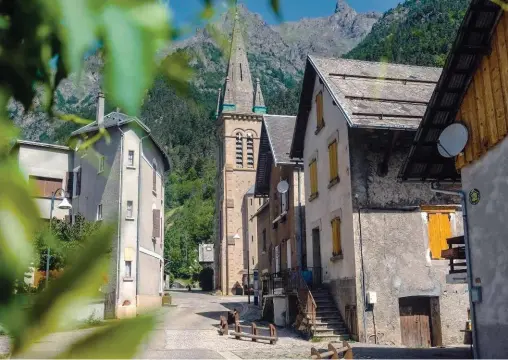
[(333, 352), (254, 335)]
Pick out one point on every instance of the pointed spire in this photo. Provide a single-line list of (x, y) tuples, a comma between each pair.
[(259, 101), (238, 88)]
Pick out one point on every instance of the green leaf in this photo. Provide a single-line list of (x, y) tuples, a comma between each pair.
[(132, 37), (118, 341), (178, 72), (275, 4), (79, 281), (78, 28)]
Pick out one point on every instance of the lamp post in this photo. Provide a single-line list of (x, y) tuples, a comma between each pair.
[(64, 205)]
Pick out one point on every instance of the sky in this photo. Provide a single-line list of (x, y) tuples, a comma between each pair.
[(185, 11)]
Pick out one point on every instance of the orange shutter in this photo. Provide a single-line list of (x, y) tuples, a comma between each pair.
[(319, 110), (332, 159), (439, 231)]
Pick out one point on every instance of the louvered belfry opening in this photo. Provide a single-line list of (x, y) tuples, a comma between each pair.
[(250, 151), (239, 150)]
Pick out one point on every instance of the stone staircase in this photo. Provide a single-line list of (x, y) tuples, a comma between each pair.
[(329, 322)]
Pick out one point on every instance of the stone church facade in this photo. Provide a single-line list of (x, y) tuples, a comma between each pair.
[(239, 117)]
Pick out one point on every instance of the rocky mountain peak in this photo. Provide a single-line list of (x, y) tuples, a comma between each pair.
[(343, 7)]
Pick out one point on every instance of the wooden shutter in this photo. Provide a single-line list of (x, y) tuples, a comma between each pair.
[(70, 183), (313, 177), (156, 223), (78, 182), (337, 246), (439, 231), (332, 158), (319, 110)]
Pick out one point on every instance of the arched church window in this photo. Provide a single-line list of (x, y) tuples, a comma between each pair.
[(250, 151), (239, 150)]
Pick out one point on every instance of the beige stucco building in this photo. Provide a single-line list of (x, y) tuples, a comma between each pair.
[(118, 179), (239, 116)]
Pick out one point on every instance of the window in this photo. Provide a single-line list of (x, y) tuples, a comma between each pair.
[(337, 245), (77, 182), (319, 111), (239, 150), (250, 151), (128, 269), (241, 72), (313, 179), (101, 164), (154, 177), (251, 201), (129, 209), (252, 238), (333, 163), (439, 231), (130, 158), (156, 224), (99, 212), (264, 239), (253, 260), (45, 186)]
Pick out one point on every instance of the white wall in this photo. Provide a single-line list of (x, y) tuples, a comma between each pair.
[(46, 162), (334, 201)]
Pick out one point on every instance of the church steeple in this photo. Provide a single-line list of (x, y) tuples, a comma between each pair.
[(259, 101), (239, 95)]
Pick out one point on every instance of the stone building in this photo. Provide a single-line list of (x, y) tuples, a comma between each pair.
[(473, 92), (239, 116), (280, 223), (120, 180), (375, 242)]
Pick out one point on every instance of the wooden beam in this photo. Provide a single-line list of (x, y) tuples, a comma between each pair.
[(502, 52), (438, 208), (490, 112), (497, 91)]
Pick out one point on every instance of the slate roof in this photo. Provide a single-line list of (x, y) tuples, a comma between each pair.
[(279, 129), (275, 143), (369, 94), (473, 42), (117, 119)]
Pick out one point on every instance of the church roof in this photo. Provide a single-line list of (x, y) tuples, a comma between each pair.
[(369, 94)]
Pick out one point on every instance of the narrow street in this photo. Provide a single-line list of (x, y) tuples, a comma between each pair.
[(189, 330)]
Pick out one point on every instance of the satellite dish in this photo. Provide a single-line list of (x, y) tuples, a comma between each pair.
[(452, 140), (283, 187)]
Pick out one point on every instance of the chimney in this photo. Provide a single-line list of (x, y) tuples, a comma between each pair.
[(100, 110)]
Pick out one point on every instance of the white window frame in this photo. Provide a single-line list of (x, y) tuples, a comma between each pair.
[(128, 275), (129, 163), (75, 181), (131, 216), (99, 212)]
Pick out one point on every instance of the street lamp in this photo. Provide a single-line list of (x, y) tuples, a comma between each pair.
[(64, 205)]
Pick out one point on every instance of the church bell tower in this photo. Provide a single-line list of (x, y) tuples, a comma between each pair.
[(239, 117)]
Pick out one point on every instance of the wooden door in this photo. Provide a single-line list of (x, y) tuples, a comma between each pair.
[(415, 321)]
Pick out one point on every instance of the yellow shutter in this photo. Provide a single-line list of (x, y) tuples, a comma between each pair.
[(337, 246), (313, 177), (319, 110), (439, 231), (332, 158)]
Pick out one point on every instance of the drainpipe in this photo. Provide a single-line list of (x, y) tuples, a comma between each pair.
[(300, 228), (364, 296), (119, 231), (139, 214), (469, 265)]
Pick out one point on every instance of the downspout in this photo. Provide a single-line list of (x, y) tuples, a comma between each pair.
[(119, 231), (364, 296), (139, 214), (468, 261), (300, 228)]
